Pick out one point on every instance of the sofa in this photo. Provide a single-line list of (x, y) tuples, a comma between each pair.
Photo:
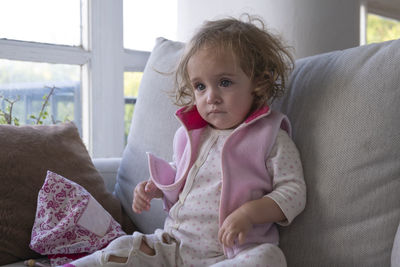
[(345, 115)]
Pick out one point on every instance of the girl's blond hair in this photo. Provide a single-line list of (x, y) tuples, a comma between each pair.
[(261, 56)]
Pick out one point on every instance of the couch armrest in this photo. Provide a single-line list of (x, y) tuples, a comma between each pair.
[(108, 168)]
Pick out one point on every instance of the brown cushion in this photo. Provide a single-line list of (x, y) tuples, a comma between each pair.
[(26, 153)]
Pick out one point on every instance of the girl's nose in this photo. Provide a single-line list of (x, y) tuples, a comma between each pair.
[(213, 97)]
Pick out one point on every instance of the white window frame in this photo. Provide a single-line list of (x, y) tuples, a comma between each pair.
[(103, 60)]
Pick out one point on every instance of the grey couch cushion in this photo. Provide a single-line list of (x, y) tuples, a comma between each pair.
[(344, 107), (152, 130)]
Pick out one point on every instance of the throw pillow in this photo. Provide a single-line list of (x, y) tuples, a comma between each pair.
[(152, 130), (26, 154), (70, 223)]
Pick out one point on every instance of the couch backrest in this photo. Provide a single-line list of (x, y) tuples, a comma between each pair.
[(345, 116), (345, 113), (152, 130)]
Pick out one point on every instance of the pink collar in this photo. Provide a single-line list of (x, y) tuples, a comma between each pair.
[(257, 113), (192, 119)]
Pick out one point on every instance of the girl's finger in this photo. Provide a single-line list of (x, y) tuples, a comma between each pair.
[(241, 238), (138, 207), (139, 201), (221, 234), (230, 238), (140, 186), (150, 187)]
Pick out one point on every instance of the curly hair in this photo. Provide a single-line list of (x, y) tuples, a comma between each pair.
[(261, 55)]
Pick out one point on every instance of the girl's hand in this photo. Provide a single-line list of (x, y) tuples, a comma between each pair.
[(235, 227), (143, 193), (239, 222)]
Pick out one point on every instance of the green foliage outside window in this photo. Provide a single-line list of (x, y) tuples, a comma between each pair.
[(380, 29), (9, 116), (131, 88), (25, 74)]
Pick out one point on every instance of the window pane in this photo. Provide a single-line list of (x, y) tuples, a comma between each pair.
[(46, 21), (131, 88), (25, 86), (144, 21), (380, 29)]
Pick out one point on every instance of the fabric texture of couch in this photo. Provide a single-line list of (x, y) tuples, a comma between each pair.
[(344, 110)]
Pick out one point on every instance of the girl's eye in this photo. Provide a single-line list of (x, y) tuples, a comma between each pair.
[(225, 83), (199, 87)]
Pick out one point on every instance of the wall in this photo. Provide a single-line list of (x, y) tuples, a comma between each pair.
[(310, 26)]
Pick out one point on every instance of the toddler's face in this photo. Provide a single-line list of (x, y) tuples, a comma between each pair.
[(223, 92)]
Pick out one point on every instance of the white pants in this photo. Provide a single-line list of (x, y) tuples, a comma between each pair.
[(167, 254)]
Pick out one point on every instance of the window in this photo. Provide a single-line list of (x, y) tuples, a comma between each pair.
[(44, 21), (379, 21), (380, 29), (138, 41), (40, 80), (77, 47), (160, 17), (131, 88), (39, 93)]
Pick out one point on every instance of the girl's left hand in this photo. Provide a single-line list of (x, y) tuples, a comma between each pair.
[(235, 227)]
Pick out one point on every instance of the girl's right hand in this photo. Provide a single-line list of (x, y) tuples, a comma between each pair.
[(143, 193)]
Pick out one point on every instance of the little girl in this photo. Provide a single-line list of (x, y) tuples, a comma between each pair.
[(235, 173)]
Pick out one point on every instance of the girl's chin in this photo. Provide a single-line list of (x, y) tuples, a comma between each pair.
[(222, 126)]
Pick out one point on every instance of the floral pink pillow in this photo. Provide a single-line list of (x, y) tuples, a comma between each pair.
[(69, 222)]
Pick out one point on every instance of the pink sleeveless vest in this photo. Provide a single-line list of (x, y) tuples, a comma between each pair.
[(244, 173)]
